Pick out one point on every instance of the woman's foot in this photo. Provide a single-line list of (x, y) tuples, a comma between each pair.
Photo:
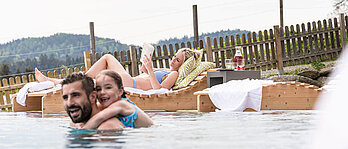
[(39, 76)]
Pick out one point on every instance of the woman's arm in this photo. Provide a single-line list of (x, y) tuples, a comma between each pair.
[(154, 83), (109, 112), (167, 83)]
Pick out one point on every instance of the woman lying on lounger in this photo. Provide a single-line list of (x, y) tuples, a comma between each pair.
[(156, 79)]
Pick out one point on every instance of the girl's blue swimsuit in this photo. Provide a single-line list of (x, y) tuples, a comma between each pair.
[(128, 121)]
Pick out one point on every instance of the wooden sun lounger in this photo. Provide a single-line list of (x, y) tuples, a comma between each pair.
[(181, 99), (48, 101), (276, 96)]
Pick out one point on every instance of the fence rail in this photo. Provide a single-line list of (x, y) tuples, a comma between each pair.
[(263, 50)]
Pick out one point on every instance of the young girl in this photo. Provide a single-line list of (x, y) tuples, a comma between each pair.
[(113, 103)]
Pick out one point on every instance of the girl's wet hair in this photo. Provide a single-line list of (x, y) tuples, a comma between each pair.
[(116, 77), (187, 52)]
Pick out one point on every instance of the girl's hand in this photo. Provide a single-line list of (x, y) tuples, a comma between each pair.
[(148, 64)]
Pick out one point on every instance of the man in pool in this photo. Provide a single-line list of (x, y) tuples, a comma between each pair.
[(80, 99)]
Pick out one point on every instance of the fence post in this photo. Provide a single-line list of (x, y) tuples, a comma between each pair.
[(278, 50), (87, 60), (92, 41), (208, 49), (133, 59), (343, 32), (195, 27)]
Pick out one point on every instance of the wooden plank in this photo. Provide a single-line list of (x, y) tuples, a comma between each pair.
[(305, 43), (279, 53), (32, 104), (282, 43), (251, 53), (159, 56), (337, 34), (166, 57), (288, 49), (332, 43), (222, 53), (321, 41), (134, 62), (189, 45), (294, 46), (52, 103), (129, 62), (24, 79), (233, 45), (87, 59), (256, 52), (216, 54), (182, 45), (300, 44), (208, 49), (268, 53), (287, 96), (176, 47), (227, 44), (262, 52), (327, 41), (201, 44), (273, 50), (177, 101), (245, 50), (310, 41), (316, 43)]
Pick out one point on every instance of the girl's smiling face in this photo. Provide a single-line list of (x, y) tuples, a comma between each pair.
[(107, 90)]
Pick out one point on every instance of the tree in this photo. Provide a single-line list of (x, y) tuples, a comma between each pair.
[(340, 6), (4, 68)]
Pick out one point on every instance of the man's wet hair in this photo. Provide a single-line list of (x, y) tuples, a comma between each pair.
[(87, 82), (117, 78)]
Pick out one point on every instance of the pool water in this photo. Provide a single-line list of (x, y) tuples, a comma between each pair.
[(266, 129)]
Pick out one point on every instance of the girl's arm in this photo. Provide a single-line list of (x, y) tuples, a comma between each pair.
[(109, 112)]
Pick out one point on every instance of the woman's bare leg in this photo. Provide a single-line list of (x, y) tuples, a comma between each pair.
[(42, 78), (111, 63)]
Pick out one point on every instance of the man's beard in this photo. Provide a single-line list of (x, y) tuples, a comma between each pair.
[(85, 114)]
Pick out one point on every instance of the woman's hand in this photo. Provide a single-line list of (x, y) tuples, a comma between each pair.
[(148, 64)]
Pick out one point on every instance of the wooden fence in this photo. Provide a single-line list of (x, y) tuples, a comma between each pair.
[(13, 84), (297, 44)]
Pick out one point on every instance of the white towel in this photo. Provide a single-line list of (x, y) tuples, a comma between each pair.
[(148, 92), (32, 87), (237, 95)]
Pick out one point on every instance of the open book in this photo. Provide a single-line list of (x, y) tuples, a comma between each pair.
[(147, 51)]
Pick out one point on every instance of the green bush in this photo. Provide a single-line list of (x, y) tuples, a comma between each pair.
[(317, 65)]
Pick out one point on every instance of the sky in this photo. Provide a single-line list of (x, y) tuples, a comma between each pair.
[(139, 21)]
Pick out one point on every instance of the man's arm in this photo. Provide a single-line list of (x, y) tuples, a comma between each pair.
[(112, 123)]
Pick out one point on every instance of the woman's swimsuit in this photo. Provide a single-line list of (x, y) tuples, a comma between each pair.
[(159, 75), (128, 121)]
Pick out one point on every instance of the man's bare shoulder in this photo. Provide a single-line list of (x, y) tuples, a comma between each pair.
[(112, 123)]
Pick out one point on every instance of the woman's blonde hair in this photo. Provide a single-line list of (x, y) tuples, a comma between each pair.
[(188, 53)]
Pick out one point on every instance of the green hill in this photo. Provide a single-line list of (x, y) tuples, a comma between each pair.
[(58, 44)]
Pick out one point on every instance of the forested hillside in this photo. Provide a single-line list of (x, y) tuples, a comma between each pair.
[(216, 34), (58, 44)]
